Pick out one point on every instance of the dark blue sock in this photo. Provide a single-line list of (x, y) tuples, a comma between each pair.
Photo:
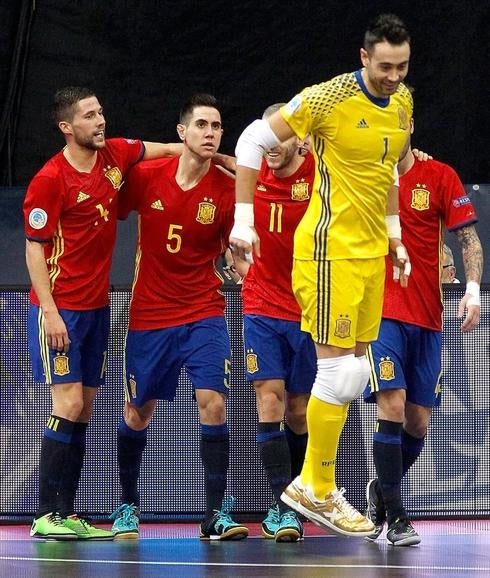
[(55, 446), (297, 449), (214, 448), (411, 450), (130, 447), (72, 470), (387, 455), (276, 459)]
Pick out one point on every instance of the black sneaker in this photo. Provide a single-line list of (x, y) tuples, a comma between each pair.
[(402, 533), (221, 526), (375, 511)]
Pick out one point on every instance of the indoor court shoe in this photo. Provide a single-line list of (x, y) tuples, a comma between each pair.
[(376, 511), (86, 531), (290, 528), (402, 533), (334, 513), (270, 523), (126, 522), (221, 525), (52, 527)]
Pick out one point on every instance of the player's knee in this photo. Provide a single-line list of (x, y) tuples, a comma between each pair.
[(211, 405), (340, 380), (138, 418)]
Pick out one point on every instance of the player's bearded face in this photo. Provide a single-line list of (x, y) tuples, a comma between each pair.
[(281, 155), (88, 124), (385, 66)]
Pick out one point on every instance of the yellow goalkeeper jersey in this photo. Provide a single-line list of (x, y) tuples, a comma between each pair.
[(356, 141)]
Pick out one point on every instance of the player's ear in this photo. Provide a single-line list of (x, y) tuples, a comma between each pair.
[(65, 127), (181, 131)]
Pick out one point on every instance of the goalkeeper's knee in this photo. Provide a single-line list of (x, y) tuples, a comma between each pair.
[(340, 380)]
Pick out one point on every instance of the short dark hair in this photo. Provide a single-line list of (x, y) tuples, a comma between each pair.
[(270, 110), (65, 101), (385, 27), (199, 99)]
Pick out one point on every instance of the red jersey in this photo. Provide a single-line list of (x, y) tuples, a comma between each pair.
[(181, 234), (75, 215), (432, 198), (279, 205)]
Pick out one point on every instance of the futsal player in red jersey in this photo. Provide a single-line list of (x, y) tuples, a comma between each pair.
[(406, 358), (280, 358), (176, 317), (70, 211)]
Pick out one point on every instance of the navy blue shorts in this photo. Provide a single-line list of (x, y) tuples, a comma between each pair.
[(278, 349), (86, 360), (155, 358), (406, 357)]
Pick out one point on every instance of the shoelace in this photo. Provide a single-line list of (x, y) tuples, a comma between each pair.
[(289, 518), (274, 513), (224, 516), (84, 523), (344, 506), (56, 519), (126, 512)]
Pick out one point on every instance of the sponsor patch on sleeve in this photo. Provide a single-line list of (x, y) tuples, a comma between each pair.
[(38, 218), (460, 201), (293, 105)]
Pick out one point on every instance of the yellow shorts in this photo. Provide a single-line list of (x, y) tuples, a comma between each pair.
[(341, 301)]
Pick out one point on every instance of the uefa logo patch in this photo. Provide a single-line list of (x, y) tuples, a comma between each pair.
[(38, 218)]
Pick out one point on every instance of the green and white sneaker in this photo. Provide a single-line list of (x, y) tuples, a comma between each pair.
[(126, 522), (51, 526), (86, 531), (270, 523)]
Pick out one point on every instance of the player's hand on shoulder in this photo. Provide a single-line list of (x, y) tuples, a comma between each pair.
[(421, 156), (225, 161)]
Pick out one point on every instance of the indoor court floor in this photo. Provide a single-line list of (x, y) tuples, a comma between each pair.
[(449, 549)]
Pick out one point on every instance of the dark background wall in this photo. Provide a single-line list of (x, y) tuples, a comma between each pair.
[(144, 58)]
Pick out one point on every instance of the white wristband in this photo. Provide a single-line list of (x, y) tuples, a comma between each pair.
[(244, 214), (243, 227), (393, 226), (473, 289)]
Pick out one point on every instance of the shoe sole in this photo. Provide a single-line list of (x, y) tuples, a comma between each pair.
[(96, 538), (232, 534), (267, 535), (374, 535), (288, 535), (127, 536), (321, 521), (410, 541), (59, 537)]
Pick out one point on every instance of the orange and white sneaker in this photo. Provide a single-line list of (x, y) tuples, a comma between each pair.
[(334, 513)]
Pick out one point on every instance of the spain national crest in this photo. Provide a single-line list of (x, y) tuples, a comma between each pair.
[(206, 212), (299, 191), (342, 328), (252, 363), (115, 176), (420, 199), (386, 369), (61, 365)]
